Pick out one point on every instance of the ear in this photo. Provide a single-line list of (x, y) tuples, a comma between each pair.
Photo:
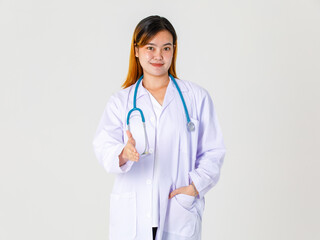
[(136, 51)]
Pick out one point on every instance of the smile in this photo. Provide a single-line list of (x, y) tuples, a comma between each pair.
[(157, 64)]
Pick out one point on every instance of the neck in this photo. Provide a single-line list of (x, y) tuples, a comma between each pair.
[(155, 82)]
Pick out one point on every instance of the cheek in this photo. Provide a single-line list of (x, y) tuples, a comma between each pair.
[(148, 56), (169, 57), (145, 57)]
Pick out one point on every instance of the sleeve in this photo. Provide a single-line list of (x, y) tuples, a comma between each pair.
[(210, 151), (108, 141)]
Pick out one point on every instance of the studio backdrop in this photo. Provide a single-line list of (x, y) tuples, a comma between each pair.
[(60, 61)]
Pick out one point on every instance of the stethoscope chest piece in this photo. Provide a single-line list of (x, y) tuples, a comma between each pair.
[(190, 126)]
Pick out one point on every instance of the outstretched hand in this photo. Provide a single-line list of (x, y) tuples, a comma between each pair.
[(129, 151)]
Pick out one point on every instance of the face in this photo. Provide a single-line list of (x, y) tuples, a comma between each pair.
[(156, 56)]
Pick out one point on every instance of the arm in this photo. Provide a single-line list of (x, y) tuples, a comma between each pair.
[(211, 149), (108, 141)]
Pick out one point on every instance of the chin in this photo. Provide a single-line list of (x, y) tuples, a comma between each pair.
[(158, 73)]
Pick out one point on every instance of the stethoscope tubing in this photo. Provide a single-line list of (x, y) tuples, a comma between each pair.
[(190, 125), (141, 113), (181, 97)]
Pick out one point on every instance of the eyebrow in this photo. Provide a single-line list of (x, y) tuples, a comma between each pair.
[(166, 44)]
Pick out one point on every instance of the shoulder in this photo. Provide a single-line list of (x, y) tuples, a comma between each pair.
[(120, 97), (194, 89)]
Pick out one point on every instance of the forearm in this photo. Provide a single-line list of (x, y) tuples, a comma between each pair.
[(207, 173)]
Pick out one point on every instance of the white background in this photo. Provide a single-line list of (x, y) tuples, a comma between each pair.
[(61, 60)]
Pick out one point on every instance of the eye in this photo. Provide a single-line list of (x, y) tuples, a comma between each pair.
[(167, 48), (150, 48)]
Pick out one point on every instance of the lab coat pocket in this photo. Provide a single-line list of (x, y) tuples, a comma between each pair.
[(181, 216), (122, 216), (186, 201)]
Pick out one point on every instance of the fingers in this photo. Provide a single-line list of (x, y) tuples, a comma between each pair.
[(173, 193), (130, 153), (134, 155), (188, 190)]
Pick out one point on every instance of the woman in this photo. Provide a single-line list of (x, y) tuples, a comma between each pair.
[(163, 167)]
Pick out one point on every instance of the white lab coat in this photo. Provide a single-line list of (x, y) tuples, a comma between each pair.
[(183, 157)]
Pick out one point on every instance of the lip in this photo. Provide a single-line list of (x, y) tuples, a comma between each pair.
[(157, 64)]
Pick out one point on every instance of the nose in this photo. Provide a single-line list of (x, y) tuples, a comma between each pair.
[(157, 54)]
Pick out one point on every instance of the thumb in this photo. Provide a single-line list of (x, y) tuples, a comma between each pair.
[(130, 138), (129, 134)]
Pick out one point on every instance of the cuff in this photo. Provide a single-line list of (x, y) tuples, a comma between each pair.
[(113, 166), (193, 177), (127, 166)]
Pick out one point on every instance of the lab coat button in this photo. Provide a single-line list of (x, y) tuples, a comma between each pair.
[(151, 150), (148, 181), (152, 119)]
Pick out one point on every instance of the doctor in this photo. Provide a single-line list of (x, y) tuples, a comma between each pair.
[(172, 155)]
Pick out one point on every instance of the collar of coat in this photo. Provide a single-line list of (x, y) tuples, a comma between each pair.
[(171, 91)]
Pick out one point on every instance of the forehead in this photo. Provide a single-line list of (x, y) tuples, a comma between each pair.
[(161, 37)]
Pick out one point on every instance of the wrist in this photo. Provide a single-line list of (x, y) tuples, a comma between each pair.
[(122, 160), (195, 189)]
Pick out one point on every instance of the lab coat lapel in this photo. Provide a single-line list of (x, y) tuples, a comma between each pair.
[(172, 92), (141, 91), (169, 96), (143, 100)]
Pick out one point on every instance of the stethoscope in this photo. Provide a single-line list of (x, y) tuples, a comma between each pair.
[(190, 125)]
